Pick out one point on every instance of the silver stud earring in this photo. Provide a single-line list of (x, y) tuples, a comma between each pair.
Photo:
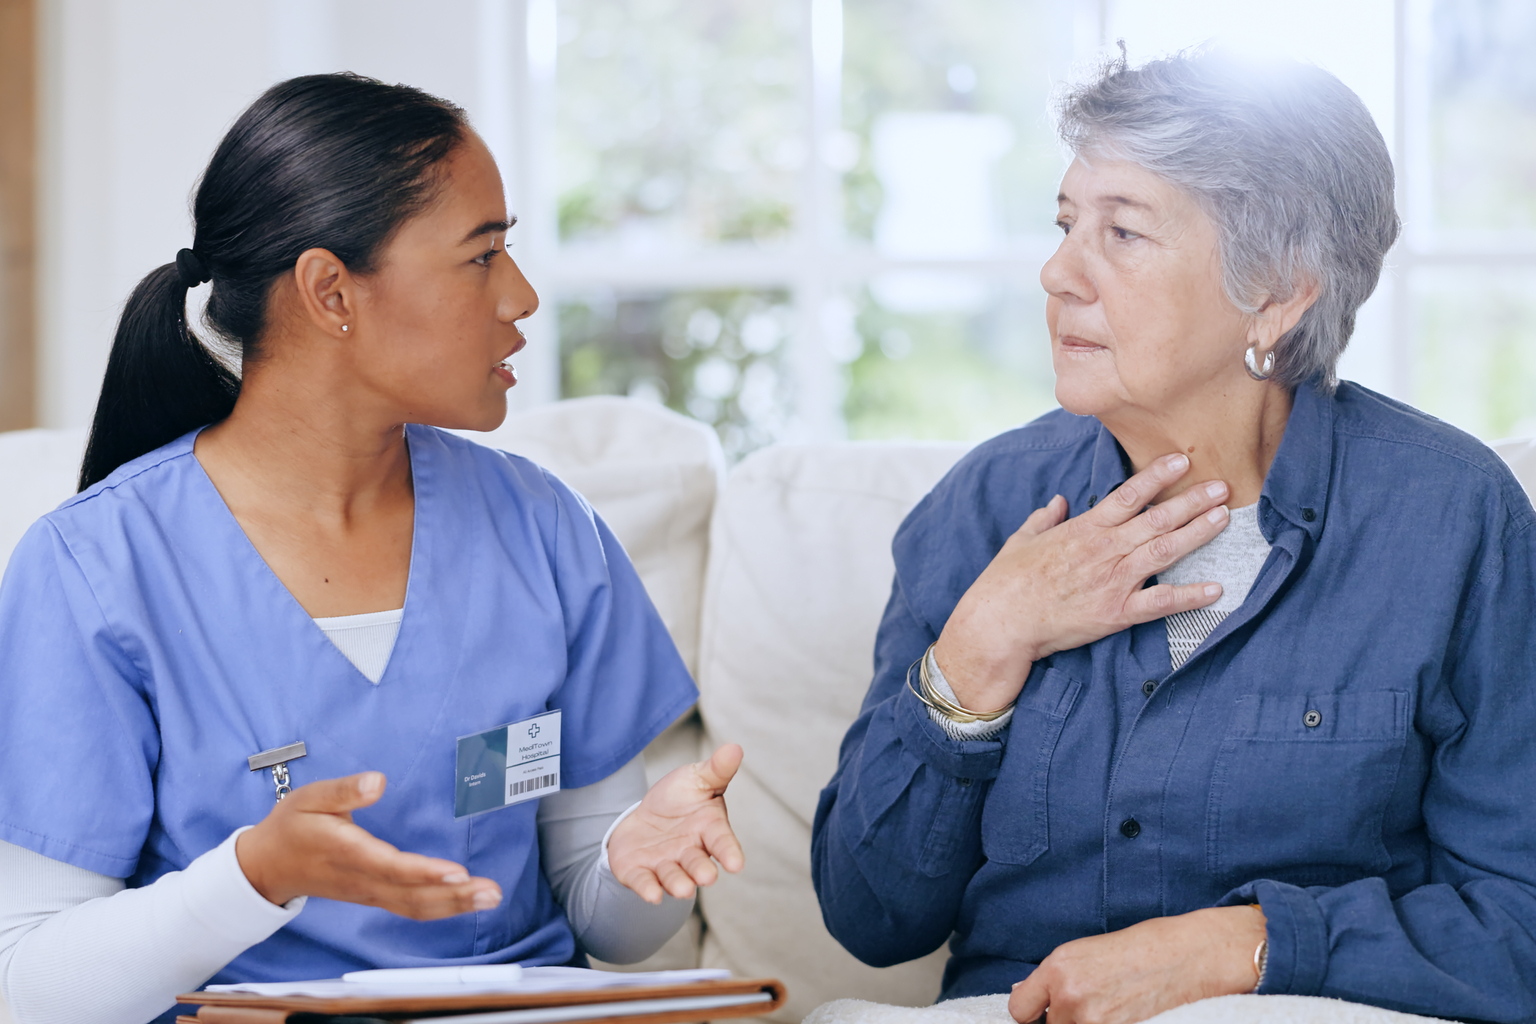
[(1251, 363), (343, 328)]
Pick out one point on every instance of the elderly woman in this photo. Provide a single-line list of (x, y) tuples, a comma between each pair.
[(1246, 702)]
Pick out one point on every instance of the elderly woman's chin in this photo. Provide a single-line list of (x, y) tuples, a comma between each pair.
[(1086, 381)]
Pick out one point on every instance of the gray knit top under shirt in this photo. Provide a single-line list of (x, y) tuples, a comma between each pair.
[(1232, 558)]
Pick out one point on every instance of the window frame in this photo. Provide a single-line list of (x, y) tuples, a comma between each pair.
[(817, 261)]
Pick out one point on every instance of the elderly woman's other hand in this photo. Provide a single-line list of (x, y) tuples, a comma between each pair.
[(1140, 971), (1061, 583)]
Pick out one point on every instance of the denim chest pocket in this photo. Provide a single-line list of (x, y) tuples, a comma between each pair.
[(1301, 784), (1015, 823)]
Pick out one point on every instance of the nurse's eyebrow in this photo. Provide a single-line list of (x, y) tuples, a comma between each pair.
[(490, 227)]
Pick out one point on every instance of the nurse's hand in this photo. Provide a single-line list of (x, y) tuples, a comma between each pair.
[(1138, 972), (673, 839), (308, 846), (1060, 583)]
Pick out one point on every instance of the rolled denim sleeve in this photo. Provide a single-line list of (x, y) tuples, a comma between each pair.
[(896, 837), (1463, 945)]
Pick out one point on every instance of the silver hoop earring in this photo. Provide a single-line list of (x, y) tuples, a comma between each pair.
[(1251, 363), (343, 328)]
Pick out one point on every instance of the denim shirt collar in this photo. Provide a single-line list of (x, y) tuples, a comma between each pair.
[(1296, 488)]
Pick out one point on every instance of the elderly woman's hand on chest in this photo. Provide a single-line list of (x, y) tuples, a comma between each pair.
[(1060, 583)]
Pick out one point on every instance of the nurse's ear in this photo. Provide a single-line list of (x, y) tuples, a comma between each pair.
[(327, 293)]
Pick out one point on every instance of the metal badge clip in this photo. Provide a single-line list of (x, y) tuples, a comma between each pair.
[(277, 759)]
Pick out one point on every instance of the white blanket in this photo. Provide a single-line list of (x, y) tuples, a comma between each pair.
[(1222, 1010)]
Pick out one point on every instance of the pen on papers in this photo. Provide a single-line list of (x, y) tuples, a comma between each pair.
[(474, 974)]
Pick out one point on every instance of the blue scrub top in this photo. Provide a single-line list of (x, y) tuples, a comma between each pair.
[(149, 650)]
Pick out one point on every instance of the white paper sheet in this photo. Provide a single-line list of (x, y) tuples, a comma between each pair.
[(534, 979)]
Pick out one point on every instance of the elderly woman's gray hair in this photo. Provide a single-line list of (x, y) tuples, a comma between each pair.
[(1285, 160)]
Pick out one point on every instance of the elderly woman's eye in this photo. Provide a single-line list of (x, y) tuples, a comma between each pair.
[(1066, 228), (1123, 234)]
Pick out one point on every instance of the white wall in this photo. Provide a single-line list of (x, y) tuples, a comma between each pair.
[(137, 93)]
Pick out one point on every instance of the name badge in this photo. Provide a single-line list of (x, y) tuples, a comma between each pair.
[(507, 765)]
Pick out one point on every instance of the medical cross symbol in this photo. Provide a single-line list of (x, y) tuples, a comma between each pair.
[(533, 731)]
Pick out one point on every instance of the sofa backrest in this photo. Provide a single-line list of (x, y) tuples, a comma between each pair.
[(799, 572)]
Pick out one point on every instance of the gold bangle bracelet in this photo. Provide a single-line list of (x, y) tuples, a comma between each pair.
[(936, 701)]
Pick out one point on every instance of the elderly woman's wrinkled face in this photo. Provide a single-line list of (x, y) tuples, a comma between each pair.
[(1136, 310)]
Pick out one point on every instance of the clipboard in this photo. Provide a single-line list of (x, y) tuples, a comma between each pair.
[(647, 1004)]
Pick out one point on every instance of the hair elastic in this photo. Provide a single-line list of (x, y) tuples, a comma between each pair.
[(191, 268)]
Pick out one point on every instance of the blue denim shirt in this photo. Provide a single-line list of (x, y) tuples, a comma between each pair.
[(1354, 748)]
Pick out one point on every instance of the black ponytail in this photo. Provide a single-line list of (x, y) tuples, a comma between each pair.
[(323, 161)]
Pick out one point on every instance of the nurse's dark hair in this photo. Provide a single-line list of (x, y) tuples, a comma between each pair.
[(336, 162)]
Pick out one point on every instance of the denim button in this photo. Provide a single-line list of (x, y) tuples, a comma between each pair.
[(1312, 719), (1130, 828), (1148, 686), (1093, 499), (1308, 514)]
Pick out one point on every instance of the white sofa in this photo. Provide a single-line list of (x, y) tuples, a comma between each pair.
[(772, 579)]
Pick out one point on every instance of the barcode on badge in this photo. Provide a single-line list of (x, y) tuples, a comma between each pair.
[(529, 785)]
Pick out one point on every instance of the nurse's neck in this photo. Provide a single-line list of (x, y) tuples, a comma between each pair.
[(314, 467)]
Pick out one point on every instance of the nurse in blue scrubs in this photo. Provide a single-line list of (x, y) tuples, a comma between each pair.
[(299, 555)]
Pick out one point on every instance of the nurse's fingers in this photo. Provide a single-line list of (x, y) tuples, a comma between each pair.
[(337, 796), (414, 886), (675, 880), (717, 773), (429, 903), (699, 866), (383, 861), (644, 883), (720, 842)]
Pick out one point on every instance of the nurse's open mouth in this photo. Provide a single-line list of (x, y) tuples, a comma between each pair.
[(506, 371)]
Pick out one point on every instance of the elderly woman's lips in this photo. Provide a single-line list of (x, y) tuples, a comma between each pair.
[(1079, 344)]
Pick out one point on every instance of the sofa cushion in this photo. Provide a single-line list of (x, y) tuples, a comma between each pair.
[(800, 568)]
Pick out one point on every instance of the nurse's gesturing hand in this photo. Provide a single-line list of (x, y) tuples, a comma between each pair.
[(308, 846), (673, 840)]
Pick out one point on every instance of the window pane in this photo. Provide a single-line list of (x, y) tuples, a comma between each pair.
[(947, 147), (945, 357), (677, 123), (1483, 116), (712, 355), (1474, 361)]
